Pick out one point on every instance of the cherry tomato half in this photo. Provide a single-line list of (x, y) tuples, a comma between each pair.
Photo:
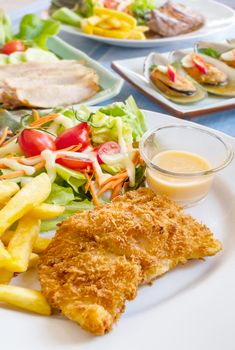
[(74, 163), (78, 134), (33, 142), (13, 46), (109, 148)]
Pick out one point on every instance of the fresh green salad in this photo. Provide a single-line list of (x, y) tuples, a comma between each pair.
[(89, 156), (30, 43)]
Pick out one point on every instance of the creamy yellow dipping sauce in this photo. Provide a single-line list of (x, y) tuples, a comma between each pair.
[(185, 190)]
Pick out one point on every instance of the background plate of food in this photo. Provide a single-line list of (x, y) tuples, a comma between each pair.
[(84, 272), (141, 23), (187, 83), (40, 70)]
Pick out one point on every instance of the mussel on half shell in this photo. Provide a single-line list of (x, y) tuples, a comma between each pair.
[(214, 76), (182, 89), (225, 52)]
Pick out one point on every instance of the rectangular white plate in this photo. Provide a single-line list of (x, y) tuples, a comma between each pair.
[(190, 308), (132, 71)]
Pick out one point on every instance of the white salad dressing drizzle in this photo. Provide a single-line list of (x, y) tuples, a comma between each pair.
[(12, 147), (127, 154), (228, 56), (50, 158), (14, 165), (102, 177), (60, 120)]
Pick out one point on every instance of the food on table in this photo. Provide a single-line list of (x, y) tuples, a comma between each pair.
[(173, 19), (225, 52), (171, 81), (89, 156), (179, 188), (19, 248), (99, 258), (27, 299), (46, 85), (129, 19), (113, 24), (213, 75)]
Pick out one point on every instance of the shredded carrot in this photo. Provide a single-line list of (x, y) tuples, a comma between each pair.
[(115, 177), (110, 186), (39, 165), (36, 115), (88, 183), (116, 190), (9, 140), (3, 166), (13, 175), (44, 120), (77, 148), (4, 135), (93, 193)]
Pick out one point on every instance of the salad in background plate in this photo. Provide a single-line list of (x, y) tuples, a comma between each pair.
[(30, 43), (90, 156)]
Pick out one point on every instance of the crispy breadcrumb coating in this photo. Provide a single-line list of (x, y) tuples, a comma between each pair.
[(98, 258)]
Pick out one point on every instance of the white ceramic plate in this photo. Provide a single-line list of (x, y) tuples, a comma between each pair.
[(189, 308), (218, 17), (132, 71)]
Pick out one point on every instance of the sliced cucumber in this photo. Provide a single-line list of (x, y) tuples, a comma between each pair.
[(17, 57), (38, 55), (4, 59)]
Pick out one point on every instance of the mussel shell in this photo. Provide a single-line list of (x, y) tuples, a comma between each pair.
[(219, 47), (183, 98), (220, 90)]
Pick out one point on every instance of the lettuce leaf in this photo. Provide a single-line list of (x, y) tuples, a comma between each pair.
[(5, 28), (74, 178), (71, 208), (67, 16), (141, 10), (60, 195), (104, 123), (33, 28)]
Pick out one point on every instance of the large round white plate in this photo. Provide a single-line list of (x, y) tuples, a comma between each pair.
[(189, 308), (218, 17)]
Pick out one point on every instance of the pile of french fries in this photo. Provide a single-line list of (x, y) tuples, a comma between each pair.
[(20, 248), (113, 24)]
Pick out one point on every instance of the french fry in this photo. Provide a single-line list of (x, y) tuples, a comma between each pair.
[(100, 11), (86, 27), (136, 35), (39, 246), (7, 190), (27, 299), (21, 245), (94, 20), (47, 211), (5, 276), (110, 33), (113, 23), (30, 196), (5, 257), (33, 260)]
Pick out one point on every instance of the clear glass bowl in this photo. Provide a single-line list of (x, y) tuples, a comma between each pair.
[(187, 188)]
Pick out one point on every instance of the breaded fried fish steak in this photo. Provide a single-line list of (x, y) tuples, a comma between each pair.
[(98, 258)]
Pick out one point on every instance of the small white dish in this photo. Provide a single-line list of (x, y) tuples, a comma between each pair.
[(218, 17)]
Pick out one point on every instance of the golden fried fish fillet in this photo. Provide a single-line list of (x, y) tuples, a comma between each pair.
[(98, 258)]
